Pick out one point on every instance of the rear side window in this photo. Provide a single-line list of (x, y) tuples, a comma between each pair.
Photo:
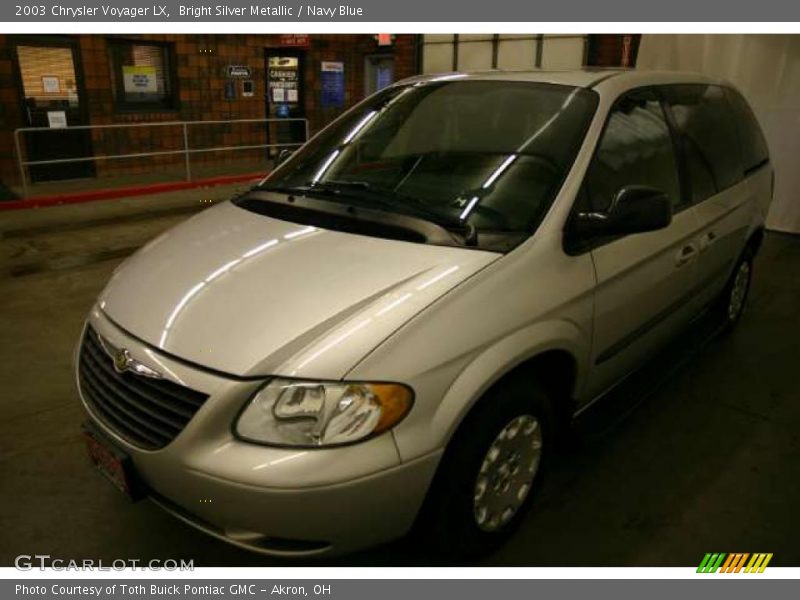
[(755, 152), (708, 136), (636, 149)]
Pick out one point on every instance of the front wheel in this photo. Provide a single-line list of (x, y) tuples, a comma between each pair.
[(490, 471)]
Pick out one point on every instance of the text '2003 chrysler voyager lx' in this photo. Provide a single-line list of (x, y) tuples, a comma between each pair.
[(391, 327)]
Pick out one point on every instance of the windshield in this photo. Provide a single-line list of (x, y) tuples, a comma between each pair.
[(490, 155)]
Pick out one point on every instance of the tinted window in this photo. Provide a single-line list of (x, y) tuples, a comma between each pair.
[(636, 149), (754, 147), (493, 153), (708, 136)]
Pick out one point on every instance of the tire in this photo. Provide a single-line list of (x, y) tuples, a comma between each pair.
[(731, 303), (454, 520)]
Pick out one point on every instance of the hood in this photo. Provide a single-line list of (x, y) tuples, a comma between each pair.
[(247, 294)]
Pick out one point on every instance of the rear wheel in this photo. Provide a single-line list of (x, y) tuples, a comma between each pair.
[(731, 303), (490, 471)]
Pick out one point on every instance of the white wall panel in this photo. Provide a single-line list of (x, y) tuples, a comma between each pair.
[(474, 56), (437, 58), (562, 52), (766, 68), (516, 54)]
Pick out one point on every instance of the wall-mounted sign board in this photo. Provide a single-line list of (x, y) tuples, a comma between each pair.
[(332, 75), (239, 71), (283, 79)]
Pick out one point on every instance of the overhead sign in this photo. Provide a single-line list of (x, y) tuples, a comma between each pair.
[(297, 40), (239, 71), (139, 79)]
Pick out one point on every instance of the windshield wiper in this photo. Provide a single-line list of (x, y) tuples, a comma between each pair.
[(400, 203), (362, 193)]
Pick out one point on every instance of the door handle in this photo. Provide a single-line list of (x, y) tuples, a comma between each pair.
[(706, 241), (686, 254)]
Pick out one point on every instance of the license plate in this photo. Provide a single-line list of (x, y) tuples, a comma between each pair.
[(112, 462)]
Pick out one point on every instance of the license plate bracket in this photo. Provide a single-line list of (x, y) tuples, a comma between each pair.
[(115, 464)]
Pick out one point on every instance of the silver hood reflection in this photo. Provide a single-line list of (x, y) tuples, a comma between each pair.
[(247, 294)]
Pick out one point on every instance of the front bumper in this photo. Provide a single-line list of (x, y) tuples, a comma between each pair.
[(287, 502)]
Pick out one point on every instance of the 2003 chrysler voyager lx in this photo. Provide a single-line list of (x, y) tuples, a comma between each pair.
[(391, 327)]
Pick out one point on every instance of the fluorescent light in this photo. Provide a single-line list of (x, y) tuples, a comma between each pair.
[(299, 232), (499, 170), (465, 213), (360, 126), (439, 277), (260, 248), (325, 165)]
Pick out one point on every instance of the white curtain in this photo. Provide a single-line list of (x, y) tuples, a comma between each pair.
[(766, 68)]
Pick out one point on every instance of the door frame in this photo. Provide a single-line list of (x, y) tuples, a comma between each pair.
[(51, 41), (300, 55), (377, 55)]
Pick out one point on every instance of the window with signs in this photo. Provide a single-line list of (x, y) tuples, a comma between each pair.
[(142, 75), (636, 149)]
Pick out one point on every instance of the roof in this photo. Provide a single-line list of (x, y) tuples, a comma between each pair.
[(619, 79)]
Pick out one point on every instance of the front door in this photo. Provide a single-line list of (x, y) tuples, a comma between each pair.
[(645, 280), (53, 98)]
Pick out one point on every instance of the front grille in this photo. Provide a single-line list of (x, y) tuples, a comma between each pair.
[(146, 412)]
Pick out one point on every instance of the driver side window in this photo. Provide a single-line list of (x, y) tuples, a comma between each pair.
[(636, 149)]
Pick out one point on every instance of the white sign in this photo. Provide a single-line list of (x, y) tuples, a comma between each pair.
[(51, 84), (242, 71), (139, 79), (291, 95), (57, 119), (278, 94), (334, 66)]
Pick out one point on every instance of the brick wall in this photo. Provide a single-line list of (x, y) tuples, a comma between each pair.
[(10, 114), (200, 63)]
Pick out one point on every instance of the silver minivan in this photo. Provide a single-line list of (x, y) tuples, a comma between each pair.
[(394, 326)]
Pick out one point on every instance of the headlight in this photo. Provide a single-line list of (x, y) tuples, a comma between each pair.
[(313, 414)]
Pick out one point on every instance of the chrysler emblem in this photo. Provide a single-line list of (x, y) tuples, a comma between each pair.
[(123, 361)]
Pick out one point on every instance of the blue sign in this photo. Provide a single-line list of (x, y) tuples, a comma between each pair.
[(332, 84), (282, 110)]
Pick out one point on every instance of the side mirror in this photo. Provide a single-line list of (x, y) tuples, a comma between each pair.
[(281, 158), (635, 209)]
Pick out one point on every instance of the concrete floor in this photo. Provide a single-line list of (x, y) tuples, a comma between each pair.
[(707, 460)]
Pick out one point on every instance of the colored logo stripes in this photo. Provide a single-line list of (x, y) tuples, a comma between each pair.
[(734, 563)]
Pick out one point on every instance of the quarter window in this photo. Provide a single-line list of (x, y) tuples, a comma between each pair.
[(708, 137), (754, 147), (636, 149)]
